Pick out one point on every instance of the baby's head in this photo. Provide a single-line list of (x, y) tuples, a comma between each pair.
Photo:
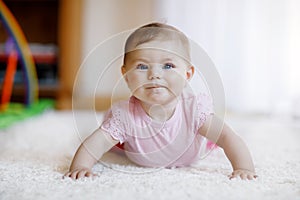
[(158, 32), (157, 63)]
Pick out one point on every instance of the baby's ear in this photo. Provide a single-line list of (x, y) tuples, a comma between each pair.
[(123, 70), (190, 72)]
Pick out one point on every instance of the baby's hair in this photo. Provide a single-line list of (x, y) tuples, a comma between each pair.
[(156, 31)]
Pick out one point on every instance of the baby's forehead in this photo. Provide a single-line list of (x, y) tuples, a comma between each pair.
[(170, 48)]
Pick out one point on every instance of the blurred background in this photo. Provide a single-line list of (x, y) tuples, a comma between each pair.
[(254, 45)]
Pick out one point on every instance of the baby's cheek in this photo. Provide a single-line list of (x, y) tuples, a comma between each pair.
[(177, 79), (134, 83)]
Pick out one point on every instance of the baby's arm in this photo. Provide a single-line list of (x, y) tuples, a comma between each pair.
[(89, 152), (233, 146)]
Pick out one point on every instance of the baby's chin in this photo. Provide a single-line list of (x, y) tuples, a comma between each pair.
[(158, 99)]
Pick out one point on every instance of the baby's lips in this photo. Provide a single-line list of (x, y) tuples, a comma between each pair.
[(154, 85)]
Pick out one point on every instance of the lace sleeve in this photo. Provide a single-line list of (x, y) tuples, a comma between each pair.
[(113, 124), (204, 108)]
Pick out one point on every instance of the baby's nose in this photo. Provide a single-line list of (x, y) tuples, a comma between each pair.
[(155, 72)]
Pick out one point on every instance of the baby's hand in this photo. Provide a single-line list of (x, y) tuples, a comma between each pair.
[(79, 173), (243, 174)]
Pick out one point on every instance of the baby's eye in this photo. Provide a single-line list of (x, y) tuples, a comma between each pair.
[(142, 66), (168, 66)]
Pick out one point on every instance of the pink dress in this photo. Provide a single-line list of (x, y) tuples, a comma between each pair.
[(174, 143)]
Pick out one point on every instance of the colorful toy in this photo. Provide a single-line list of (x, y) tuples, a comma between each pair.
[(23, 50), (18, 48), (9, 79)]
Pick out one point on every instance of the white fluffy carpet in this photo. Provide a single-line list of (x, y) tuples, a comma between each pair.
[(35, 153)]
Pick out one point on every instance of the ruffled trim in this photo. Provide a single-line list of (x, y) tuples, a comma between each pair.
[(112, 126), (204, 108)]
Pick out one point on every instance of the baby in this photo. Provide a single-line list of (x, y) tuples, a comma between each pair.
[(162, 124)]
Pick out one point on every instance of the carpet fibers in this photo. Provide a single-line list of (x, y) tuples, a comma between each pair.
[(34, 155)]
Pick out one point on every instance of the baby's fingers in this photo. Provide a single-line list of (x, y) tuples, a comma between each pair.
[(251, 176), (233, 175), (77, 174), (84, 173), (243, 174), (73, 174)]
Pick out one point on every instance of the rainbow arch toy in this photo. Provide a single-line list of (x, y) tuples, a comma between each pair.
[(12, 112), (23, 52)]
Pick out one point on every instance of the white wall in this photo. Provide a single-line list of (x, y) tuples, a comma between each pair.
[(254, 44), (104, 24)]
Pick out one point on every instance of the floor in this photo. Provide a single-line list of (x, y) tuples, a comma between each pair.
[(35, 154)]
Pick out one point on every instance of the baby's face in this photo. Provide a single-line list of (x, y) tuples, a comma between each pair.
[(156, 72)]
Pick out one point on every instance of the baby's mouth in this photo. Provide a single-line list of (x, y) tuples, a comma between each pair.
[(154, 86)]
